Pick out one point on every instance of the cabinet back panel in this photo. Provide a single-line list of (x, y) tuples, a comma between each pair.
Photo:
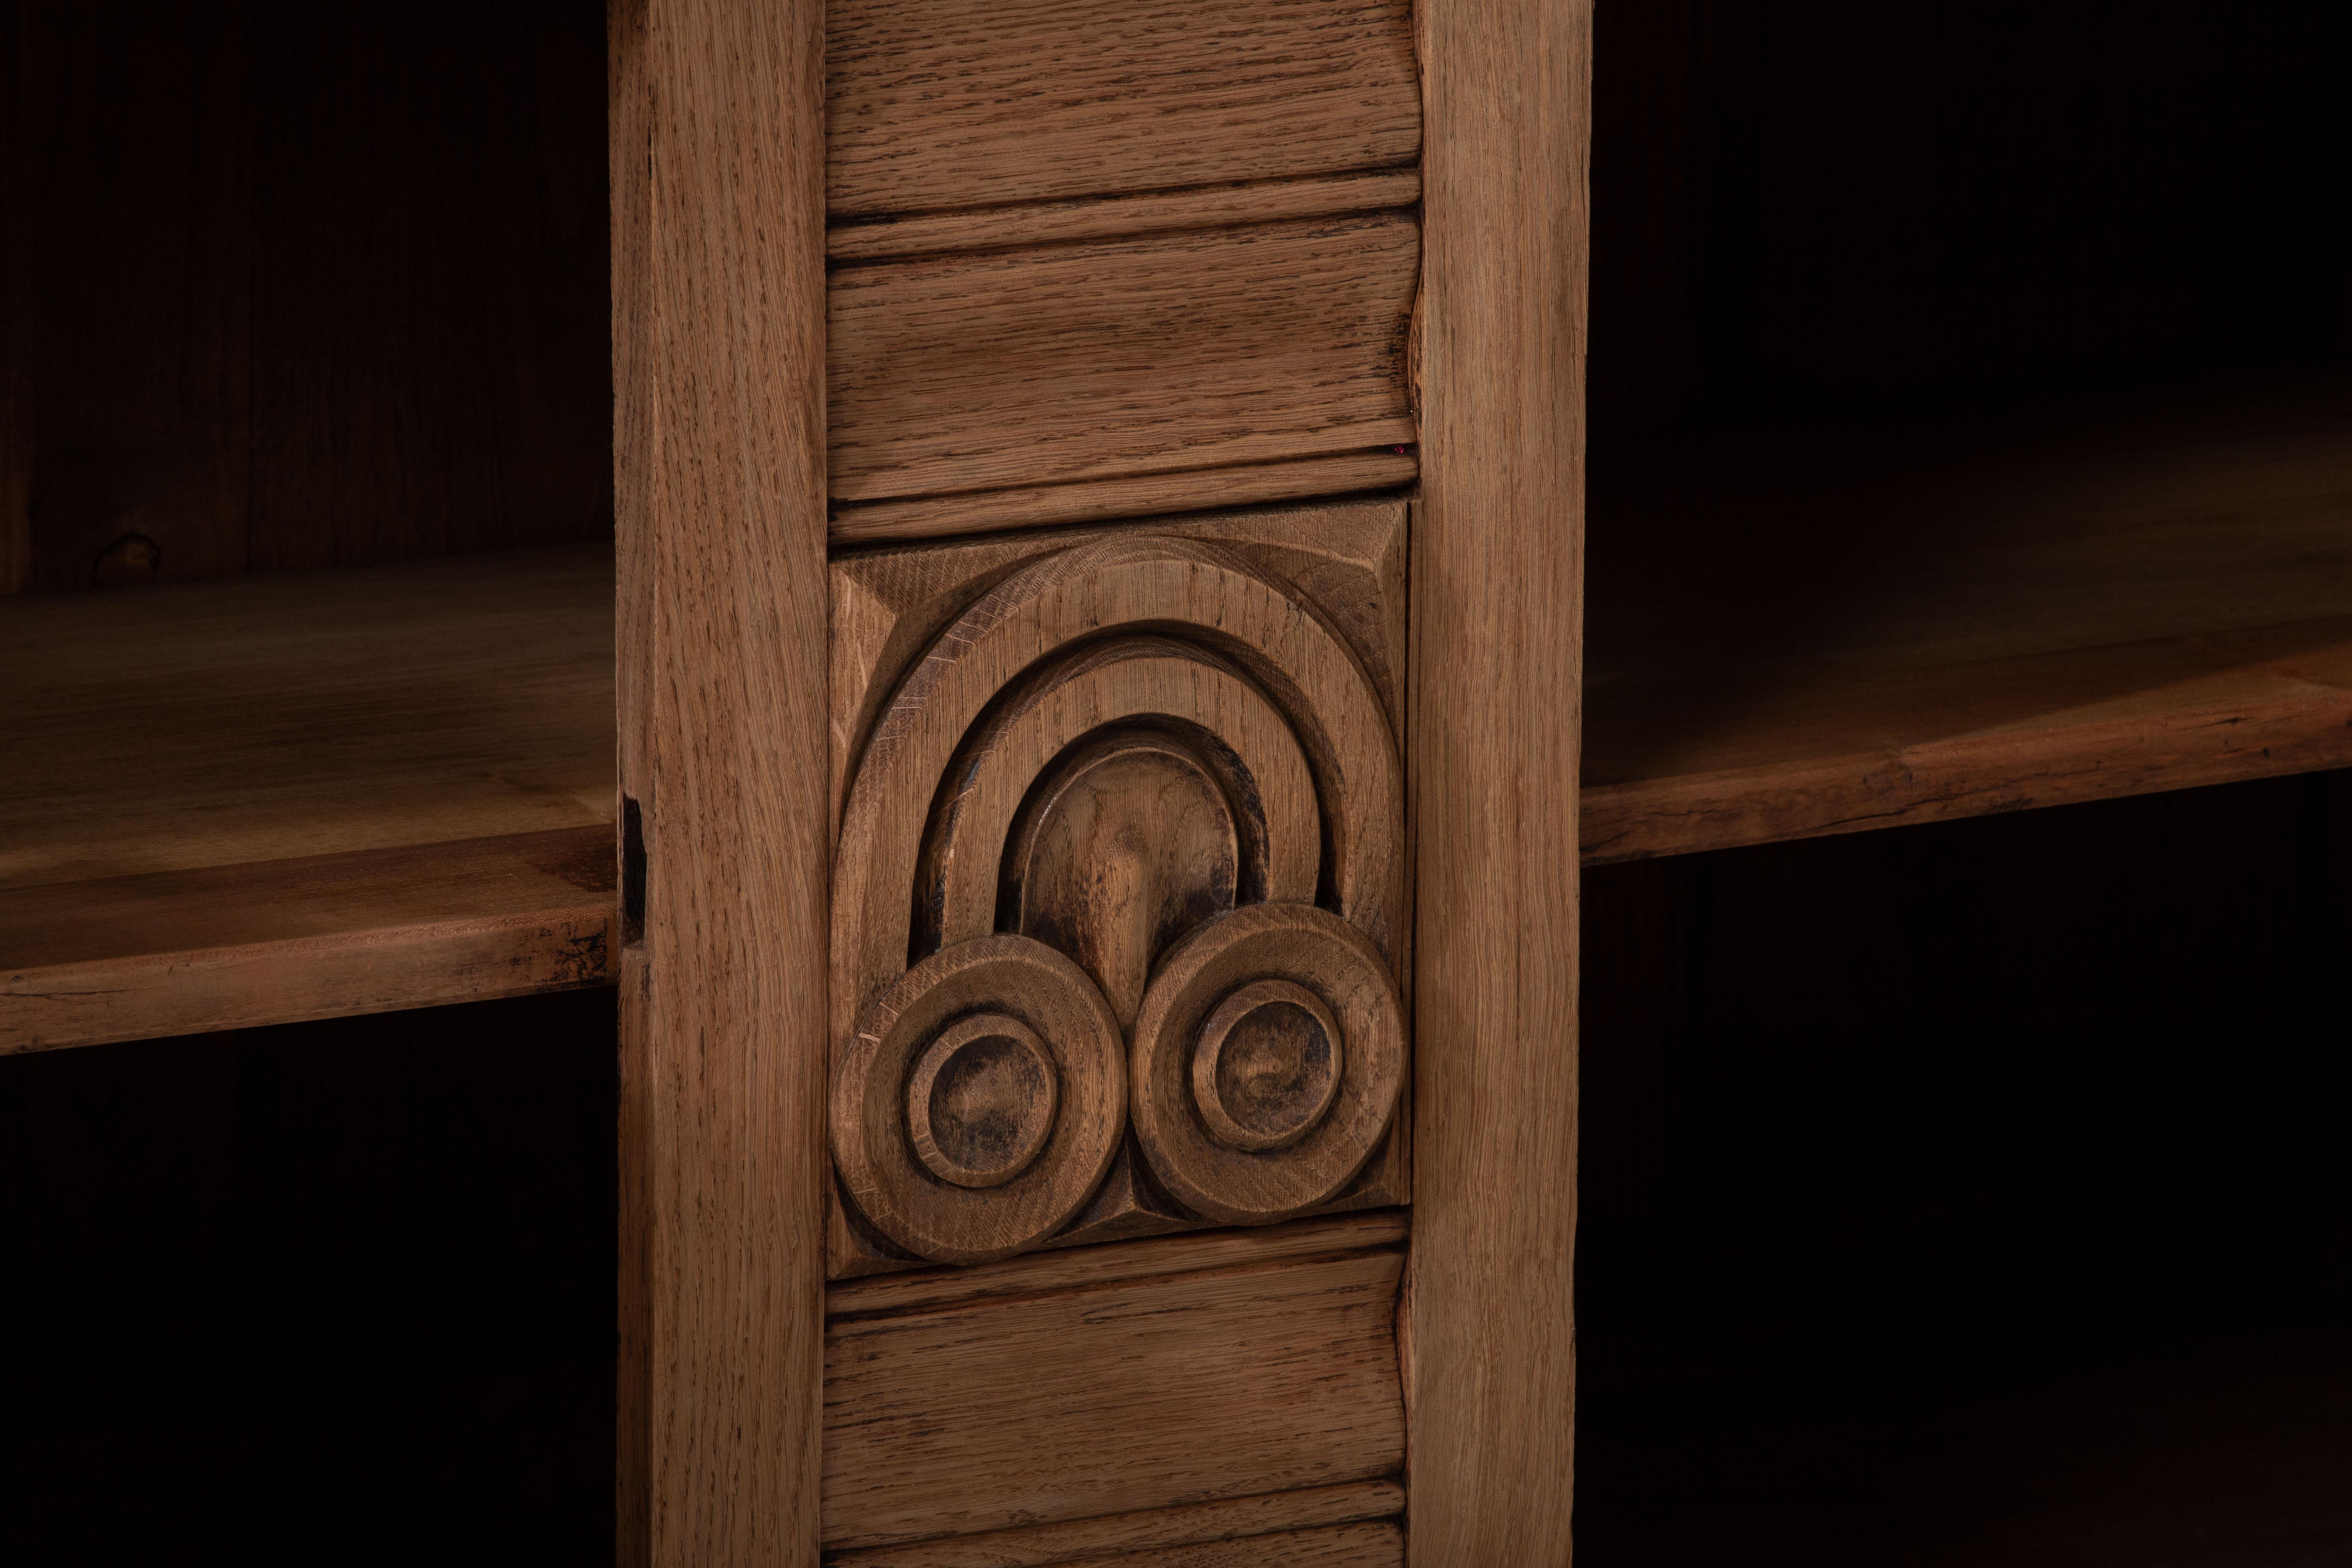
[(1824, 203), (314, 286)]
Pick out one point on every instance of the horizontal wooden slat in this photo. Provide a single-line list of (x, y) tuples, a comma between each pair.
[(285, 715), (961, 103), (1055, 222), (1116, 360), (1255, 1522), (1140, 1393), (233, 947), (1100, 500), (1855, 625), (1045, 1273), (288, 796)]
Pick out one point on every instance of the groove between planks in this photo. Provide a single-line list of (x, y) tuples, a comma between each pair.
[(1048, 223), (1240, 1524)]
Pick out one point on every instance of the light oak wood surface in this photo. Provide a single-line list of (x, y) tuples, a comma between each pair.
[(1346, 557), (1496, 608), (1045, 1273), (275, 941), (719, 309), (1121, 357), (1240, 1530), (968, 103), (1834, 628), (1139, 756), (629, 81), (1093, 500), (1141, 1393)]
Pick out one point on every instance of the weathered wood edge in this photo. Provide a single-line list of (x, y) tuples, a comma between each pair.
[(1487, 1320), (2300, 727), (325, 936), (719, 302)]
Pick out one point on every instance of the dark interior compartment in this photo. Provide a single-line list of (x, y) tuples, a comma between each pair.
[(338, 1290), (1817, 206), (1974, 1194), (307, 286)]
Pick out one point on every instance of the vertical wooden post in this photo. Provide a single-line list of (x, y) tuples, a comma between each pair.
[(718, 366), (1497, 611)]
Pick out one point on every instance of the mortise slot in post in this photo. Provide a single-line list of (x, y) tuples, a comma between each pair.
[(633, 873)]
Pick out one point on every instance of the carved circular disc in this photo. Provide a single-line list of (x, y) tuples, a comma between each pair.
[(1210, 979), (980, 1100), (1267, 1066), (939, 1015)]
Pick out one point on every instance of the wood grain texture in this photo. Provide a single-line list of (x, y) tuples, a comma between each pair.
[(1251, 1524), (1864, 625), (1121, 357), (1498, 603), (1094, 501), (1108, 218), (177, 727), (1043, 1273), (232, 947), (961, 103), (1133, 746), (1142, 1393), (723, 1077), (1348, 557), (629, 130)]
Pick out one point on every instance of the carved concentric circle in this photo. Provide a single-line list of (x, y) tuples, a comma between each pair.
[(980, 1100), (1227, 1079), (1001, 1056), (1267, 1066)]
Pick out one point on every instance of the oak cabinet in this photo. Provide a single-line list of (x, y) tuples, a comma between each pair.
[(953, 632)]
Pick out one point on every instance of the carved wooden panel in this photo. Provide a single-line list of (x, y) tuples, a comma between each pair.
[(1116, 1398), (1156, 353), (948, 105), (1120, 897)]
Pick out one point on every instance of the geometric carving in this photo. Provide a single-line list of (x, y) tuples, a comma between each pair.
[(1309, 1087), (1034, 1135), (1118, 907)]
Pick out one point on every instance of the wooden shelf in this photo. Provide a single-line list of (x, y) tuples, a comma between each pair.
[(299, 795), (1820, 628)]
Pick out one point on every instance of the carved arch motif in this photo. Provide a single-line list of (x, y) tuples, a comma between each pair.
[(1116, 906)]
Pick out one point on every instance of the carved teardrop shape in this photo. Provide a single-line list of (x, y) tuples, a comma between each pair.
[(1126, 845)]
